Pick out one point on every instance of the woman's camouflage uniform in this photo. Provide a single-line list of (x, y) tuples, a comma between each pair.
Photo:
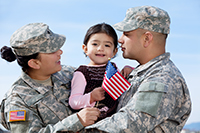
[(47, 108)]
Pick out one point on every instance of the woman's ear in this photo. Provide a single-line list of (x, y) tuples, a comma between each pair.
[(148, 37), (84, 47), (34, 63)]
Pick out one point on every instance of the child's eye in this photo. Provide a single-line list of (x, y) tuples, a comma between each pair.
[(107, 45), (94, 44)]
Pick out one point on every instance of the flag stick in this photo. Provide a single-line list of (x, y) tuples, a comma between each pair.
[(96, 105)]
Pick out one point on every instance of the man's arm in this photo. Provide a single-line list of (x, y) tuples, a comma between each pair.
[(151, 105)]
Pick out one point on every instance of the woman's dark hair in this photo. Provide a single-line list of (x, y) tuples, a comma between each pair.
[(8, 55), (101, 28)]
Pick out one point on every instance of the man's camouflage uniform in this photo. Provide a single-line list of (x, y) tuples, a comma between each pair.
[(157, 101)]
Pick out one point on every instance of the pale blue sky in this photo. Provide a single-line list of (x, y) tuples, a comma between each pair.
[(72, 18)]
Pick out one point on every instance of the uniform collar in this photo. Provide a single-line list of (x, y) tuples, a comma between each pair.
[(33, 84), (140, 69)]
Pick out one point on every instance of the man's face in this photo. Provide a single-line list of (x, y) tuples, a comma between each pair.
[(131, 44)]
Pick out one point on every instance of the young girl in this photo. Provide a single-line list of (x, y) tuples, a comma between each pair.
[(100, 44)]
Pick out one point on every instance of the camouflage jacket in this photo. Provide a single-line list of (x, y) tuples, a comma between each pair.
[(157, 101), (46, 107)]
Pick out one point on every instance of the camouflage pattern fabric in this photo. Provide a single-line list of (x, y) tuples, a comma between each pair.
[(145, 17), (157, 101), (35, 38), (47, 109)]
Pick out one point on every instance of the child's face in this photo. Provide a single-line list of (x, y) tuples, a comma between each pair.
[(99, 48)]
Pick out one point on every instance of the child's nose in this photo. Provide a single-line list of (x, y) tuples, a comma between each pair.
[(100, 47)]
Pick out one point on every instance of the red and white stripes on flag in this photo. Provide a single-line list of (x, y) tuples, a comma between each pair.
[(114, 83)]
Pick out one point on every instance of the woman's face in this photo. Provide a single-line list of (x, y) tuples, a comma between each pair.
[(50, 62)]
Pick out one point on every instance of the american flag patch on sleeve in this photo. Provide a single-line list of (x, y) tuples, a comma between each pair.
[(17, 115)]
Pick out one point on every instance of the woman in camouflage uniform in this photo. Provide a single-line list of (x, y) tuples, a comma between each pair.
[(38, 100)]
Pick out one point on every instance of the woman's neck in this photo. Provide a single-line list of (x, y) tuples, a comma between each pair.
[(37, 75)]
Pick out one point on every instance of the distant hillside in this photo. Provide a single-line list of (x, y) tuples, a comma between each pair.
[(193, 126)]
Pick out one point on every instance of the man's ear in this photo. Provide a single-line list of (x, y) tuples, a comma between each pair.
[(34, 63), (148, 37), (84, 47)]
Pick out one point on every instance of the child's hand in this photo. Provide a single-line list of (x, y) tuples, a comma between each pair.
[(126, 71), (97, 94)]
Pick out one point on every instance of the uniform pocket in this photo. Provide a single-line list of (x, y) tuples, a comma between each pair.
[(149, 97)]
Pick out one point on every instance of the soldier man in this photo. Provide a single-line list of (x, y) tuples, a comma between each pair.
[(158, 99)]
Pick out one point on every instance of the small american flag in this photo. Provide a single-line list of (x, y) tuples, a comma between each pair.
[(17, 115), (114, 83)]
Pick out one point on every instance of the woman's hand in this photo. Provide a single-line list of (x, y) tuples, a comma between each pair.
[(88, 116), (97, 94)]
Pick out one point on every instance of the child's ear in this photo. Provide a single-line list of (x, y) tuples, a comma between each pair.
[(115, 51), (84, 47), (34, 63)]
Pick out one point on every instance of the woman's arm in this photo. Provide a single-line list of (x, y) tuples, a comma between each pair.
[(33, 123)]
